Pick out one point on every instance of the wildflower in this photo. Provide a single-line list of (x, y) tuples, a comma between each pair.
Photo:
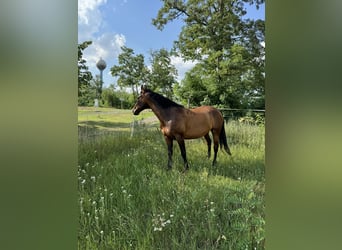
[(101, 232), (212, 210), (124, 191), (211, 203), (171, 215), (166, 222), (93, 178), (83, 181)]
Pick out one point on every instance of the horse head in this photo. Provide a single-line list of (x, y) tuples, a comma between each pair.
[(141, 102)]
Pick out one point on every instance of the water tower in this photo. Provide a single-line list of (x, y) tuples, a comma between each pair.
[(101, 65)]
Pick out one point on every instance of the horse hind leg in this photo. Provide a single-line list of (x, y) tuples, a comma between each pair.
[(216, 144), (181, 144), (169, 143), (207, 138)]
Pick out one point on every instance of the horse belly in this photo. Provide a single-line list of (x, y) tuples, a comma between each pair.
[(196, 130)]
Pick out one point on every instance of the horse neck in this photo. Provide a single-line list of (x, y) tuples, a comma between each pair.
[(161, 113)]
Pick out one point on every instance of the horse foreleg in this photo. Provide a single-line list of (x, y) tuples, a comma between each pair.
[(216, 145), (169, 143), (207, 138), (181, 144)]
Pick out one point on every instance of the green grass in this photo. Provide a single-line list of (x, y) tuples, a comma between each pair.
[(109, 119), (128, 200)]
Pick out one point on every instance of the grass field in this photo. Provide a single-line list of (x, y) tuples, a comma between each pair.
[(128, 200)]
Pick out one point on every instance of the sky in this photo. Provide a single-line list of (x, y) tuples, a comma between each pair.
[(110, 24)]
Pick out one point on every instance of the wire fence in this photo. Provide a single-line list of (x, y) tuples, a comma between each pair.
[(87, 131), (235, 114)]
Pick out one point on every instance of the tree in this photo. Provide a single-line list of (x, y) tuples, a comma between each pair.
[(194, 87), (216, 34), (84, 76), (131, 70), (98, 86), (163, 73), (108, 96)]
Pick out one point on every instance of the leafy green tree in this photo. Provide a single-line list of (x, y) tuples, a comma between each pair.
[(228, 46), (109, 97), (194, 87), (84, 76), (97, 83), (163, 73), (131, 70)]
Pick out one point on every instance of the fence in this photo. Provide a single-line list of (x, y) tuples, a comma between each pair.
[(234, 114)]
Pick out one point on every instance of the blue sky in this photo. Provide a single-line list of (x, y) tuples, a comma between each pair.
[(111, 24)]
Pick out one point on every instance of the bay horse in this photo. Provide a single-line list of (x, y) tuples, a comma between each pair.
[(179, 123)]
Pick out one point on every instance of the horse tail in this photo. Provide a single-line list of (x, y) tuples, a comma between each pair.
[(223, 140)]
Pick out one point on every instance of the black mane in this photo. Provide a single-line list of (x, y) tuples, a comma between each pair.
[(162, 101)]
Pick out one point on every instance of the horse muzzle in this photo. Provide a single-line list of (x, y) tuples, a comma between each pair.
[(135, 111)]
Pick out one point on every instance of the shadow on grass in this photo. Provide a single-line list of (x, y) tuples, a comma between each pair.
[(97, 129), (239, 169), (235, 168), (105, 124)]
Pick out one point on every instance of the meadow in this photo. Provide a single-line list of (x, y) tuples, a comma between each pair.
[(128, 199)]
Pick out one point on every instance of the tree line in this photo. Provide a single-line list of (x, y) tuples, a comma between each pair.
[(229, 51)]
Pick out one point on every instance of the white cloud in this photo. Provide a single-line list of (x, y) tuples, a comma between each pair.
[(106, 45), (182, 66), (88, 9), (89, 18)]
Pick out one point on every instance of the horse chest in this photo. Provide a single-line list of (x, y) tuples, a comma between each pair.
[(166, 128)]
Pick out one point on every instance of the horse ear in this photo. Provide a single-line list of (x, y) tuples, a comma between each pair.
[(144, 88)]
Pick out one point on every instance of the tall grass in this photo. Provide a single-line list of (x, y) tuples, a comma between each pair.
[(128, 199)]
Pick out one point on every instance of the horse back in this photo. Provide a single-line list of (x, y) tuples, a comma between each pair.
[(201, 120), (213, 114)]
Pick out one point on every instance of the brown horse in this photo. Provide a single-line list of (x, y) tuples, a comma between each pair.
[(178, 123)]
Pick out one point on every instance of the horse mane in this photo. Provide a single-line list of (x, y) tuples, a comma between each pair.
[(163, 101)]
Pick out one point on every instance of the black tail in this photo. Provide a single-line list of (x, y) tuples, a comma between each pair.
[(223, 140)]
